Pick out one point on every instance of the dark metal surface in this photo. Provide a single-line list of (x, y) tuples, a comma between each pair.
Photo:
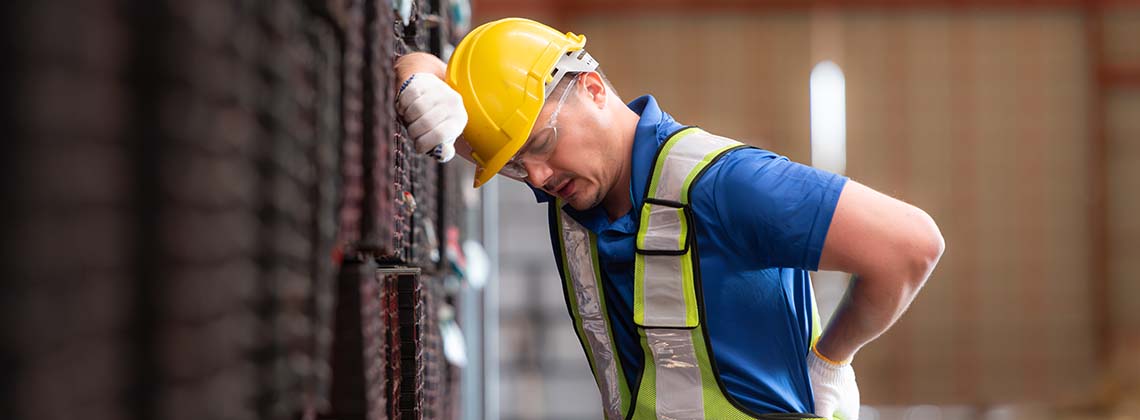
[(181, 184)]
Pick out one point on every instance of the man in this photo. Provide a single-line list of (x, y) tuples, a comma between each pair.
[(684, 255)]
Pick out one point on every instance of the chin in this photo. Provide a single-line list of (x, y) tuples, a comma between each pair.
[(578, 203)]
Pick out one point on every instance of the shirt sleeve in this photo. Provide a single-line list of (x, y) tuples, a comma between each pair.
[(772, 208)]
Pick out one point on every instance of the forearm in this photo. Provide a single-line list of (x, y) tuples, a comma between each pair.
[(419, 62), (872, 304)]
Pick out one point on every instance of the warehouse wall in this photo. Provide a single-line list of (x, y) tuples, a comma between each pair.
[(982, 118), (1122, 138)]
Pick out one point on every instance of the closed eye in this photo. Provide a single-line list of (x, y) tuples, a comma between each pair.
[(543, 146), (543, 143), (527, 146)]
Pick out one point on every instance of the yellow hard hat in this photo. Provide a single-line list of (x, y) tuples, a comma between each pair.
[(504, 70)]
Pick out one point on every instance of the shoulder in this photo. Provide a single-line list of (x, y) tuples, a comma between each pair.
[(743, 162), (765, 187), (768, 206), (732, 181), (753, 169), (736, 171)]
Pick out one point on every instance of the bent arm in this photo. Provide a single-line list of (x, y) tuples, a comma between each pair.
[(891, 247), (419, 62)]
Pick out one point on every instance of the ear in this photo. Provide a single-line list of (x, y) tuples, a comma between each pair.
[(595, 87)]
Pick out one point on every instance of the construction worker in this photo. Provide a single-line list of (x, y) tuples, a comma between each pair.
[(684, 255)]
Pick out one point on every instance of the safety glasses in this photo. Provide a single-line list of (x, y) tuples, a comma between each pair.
[(540, 146)]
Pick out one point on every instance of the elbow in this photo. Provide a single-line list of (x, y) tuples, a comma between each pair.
[(935, 244), (926, 249)]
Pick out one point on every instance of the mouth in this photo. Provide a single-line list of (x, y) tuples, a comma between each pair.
[(565, 189)]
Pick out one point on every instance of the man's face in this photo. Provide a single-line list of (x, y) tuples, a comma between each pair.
[(584, 163)]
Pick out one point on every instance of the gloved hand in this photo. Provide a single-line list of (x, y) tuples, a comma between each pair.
[(836, 393), (434, 113)]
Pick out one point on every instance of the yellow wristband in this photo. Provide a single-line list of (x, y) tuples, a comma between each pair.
[(828, 360)]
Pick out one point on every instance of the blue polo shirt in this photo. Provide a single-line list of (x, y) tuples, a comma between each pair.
[(761, 223)]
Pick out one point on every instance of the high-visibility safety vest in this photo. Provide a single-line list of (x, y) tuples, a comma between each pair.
[(679, 380)]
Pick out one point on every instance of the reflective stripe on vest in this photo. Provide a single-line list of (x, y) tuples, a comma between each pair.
[(583, 288), (678, 380), (664, 294)]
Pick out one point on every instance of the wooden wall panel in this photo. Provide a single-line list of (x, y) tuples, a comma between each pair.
[(1123, 133), (744, 77), (1121, 30), (999, 93)]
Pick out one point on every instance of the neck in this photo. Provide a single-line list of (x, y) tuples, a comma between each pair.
[(617, 201)]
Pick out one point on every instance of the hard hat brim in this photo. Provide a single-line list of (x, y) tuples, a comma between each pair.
[(485, 173)]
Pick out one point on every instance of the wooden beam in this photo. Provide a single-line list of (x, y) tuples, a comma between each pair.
[(1100, 302), (1120, 76), (583, 8)]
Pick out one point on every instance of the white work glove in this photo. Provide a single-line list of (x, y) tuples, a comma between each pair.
[(434, 114), (836, 393)]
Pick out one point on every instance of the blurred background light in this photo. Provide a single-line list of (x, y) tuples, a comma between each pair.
[(828, 118)]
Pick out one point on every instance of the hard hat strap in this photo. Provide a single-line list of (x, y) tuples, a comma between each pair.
[(571, 62)]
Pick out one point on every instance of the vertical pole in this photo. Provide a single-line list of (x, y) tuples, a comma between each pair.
[(1098, 184), (491, 302)]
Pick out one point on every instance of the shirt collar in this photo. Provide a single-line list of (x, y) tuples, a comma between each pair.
[(652, 129)]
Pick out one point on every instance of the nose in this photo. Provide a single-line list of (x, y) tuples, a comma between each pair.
[(538, 173)]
